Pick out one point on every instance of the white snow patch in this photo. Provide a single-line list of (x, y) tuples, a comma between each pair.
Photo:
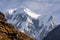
[(30, 20), (11, 11)]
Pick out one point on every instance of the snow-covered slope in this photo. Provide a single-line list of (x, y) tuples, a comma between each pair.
[(46, 24), (33, 24), (32, 14)]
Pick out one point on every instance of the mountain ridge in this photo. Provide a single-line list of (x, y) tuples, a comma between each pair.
[(31, 26), (54, 34)]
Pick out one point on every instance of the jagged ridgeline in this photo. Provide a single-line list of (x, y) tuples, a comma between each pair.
[(33, 24), (8, 32)]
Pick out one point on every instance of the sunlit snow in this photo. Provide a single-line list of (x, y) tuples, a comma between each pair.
[(11, 11), (32, 14)]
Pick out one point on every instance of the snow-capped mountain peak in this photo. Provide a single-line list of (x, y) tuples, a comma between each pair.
[(33, 24), (32, 14)]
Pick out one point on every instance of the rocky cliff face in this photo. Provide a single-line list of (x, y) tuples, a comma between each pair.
[(8, 32)]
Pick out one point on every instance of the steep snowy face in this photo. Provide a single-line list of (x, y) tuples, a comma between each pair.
[(47, 20), (30, 23), (16, 17), (46, 24)]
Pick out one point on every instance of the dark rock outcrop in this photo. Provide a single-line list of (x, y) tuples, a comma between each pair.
[(54, 34), (8, 32)]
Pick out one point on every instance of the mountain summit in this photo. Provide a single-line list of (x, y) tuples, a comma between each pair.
[(33, 24)]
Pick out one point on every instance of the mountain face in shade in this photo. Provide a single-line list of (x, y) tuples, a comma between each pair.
[(33, 24), (8, 32), (54, 34)]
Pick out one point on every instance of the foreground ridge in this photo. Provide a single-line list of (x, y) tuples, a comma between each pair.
[(8, 32)]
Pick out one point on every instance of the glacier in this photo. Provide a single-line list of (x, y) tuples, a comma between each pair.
[(35, 25)]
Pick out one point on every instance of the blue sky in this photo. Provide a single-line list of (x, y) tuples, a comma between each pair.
[(38, 6)]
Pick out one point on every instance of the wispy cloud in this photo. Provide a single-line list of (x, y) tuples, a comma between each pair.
[(38, 6)]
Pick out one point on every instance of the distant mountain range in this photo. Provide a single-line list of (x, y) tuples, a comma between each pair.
[(33, 24)]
